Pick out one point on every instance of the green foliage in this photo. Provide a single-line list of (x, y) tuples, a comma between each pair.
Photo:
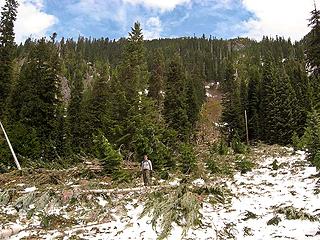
[(313, 42), (7, 48), (316, 160), (157, 79), (187, 159), (238, 146), (249, 215), (275, 165), (122, 176), (312, 137), (293, 213), (111, 159), (180, 206), (296, 142), (213, 166), (220, 148), (36, 102), (233, 109), (274, 221), (244, 165), (25, 141), (175, 105), (219, 165), (164, 174)]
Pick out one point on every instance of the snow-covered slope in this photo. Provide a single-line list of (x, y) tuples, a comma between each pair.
[(277, 200)]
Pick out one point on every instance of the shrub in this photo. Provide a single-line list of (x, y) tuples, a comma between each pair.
[(238, 146), (164, 174), (122, 176), (187, 158), (244, 165), (316, 160), (297, 142), (110, 158), (220, 148), (275, 165), (213, 166)]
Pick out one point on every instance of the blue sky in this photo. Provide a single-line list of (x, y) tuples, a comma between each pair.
[(163, 18), (114, 18)]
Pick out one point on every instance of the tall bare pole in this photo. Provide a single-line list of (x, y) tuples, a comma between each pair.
[(247, 131), (10, 146)]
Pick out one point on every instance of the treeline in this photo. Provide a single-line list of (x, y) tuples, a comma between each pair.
[(116, 100), (278, 84), (112, 100)]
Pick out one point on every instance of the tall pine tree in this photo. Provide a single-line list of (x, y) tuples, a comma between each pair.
[(175, 105), (7, 47)]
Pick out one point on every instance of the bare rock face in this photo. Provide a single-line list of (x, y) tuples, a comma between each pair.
[(65, 90)]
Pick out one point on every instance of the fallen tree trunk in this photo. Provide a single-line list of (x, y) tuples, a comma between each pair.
[(125, 190)]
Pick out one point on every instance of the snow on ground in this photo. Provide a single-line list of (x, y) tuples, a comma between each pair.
[(257, 198)]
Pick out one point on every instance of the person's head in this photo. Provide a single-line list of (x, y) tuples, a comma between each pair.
[(145, 157)]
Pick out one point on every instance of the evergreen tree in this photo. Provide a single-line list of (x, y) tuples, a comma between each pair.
[(195, 96), (96, 115), (156, 86), (303, 92), (267, 103), (283, 111), (7, 48), (133, 72), (38, 99), (233, 112), (253, 104), (75, 110), (175, 106), (312, 136), (313, 42)]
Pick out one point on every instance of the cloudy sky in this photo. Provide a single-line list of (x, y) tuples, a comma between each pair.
[(163, 18)]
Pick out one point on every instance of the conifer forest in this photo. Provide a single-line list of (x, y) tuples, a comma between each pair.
[(231, 126)]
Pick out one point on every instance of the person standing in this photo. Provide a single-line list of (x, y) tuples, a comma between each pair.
[(146, 167)]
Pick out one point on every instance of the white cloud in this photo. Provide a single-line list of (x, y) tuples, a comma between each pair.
[(288, 18), (152, 28), (31, 20), (163, 5)]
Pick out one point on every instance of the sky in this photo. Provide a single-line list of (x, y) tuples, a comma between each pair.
[(163, 18)]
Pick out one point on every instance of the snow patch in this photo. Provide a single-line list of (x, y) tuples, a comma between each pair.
[(30, 189), (198, 182)]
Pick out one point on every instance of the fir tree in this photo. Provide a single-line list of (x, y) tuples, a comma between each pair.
[(96, 113), (253, 104), (283, 111), (156, 86), (175, 106), (267, 103), (194, 96), (38, 101), (303, 92), (133, 71), (233, 112), (313, 42), (75, 110), (312, 136), (7, 47)]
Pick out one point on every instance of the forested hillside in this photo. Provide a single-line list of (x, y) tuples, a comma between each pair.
[(120, 99), (232, 129)]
